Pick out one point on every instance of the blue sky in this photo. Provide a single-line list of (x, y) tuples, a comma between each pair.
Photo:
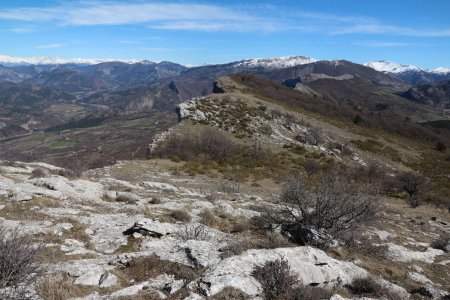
[(197, 32)]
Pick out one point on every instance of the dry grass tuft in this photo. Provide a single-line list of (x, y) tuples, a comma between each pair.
[(181, 216)]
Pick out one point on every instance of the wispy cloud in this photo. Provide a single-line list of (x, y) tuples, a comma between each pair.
[(21, 30), (210, 17), (48, 46), (344, 25), (383, 44), (129, 42), (163, 16), (116, 13), (167, 49)]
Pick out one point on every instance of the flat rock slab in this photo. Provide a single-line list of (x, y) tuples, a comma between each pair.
[(312, 266)]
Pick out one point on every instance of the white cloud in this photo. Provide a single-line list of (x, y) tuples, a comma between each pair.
[(383, 44), (48, 46), (210, 17), (21, 30), (165, 16), (344, 25)]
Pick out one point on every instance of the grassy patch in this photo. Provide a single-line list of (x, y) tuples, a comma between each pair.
[(63, 144), (377, 147)]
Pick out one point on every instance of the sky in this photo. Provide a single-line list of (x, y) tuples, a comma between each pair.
[(199, 32)]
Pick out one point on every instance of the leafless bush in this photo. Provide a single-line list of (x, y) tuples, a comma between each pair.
[(415, 200), (414, 185), (229, 187), (366, 286), (208, 218), (126, 198), (276, 114), (274, 240), (235, 248), (240, 224), (369, 287), (211, 197), (38, 173), (19, 266), (312, 293), (181, 215), (312, 137), (359, 243), (312, 166), (155, 200), (288, 120), (442, 242), (58, 287), (9, 163), (441, 201), (193, 232), (276, 279), (69, 174), (266, 129), (188, 144), (229, 293), (333, 206)]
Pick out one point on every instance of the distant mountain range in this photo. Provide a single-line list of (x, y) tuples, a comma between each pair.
[(131, 87), (122, 103), (411, 74), (45, 60)]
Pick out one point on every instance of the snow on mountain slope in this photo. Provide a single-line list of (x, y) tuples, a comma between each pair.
[(390, 67), (275, 63), (441, 70), (45, 60)]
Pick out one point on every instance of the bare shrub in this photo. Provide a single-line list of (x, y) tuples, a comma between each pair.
[(414, 185), (229, 293), (312, 293), (69, 174), (276, 279), (312, 166), (311, 137), (181, 215), (266, 129), (366, 286), (369, 287), (9, 163), (235, 248), (359, 243), (211, 197), (240, 224), (442, 242), (58, 287), (208, 218), (333, 206), (273, 240), (229, 187), (155, 200), (193, 232), (19, 266), (441, 201), (38, 173), (415, 200), (188, 144), (126, 198)]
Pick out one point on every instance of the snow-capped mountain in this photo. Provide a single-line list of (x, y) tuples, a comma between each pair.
[(45, 60), (390, 67), (276, 62), (441, 70)]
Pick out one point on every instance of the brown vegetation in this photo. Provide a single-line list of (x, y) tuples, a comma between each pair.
[(19, 266)]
